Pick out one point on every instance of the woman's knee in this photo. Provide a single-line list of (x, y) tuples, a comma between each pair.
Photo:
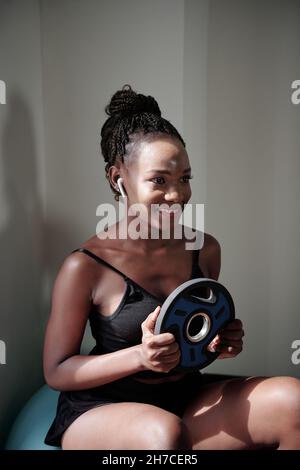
[(286, 391), (127, 426), (282, 400), (166, 431)]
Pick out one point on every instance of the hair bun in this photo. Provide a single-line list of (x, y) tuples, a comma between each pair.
[(127, 102)]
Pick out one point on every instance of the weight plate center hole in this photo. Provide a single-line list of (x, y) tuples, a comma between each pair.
[(198, 327)]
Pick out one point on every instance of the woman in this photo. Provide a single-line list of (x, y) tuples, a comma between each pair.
[(126, 394)]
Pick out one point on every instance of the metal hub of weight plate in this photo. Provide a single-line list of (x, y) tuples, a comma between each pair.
[(195, 317)]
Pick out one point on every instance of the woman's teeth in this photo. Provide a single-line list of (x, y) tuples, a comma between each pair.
[(169, 211)]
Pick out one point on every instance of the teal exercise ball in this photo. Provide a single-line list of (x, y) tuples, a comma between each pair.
[(32, 423)]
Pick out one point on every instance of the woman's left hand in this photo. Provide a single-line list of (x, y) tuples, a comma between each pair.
[(229, 341)]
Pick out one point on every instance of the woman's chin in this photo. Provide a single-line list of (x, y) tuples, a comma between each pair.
[(168, 227)]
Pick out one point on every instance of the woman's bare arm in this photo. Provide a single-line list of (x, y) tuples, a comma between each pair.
[(64, 367)]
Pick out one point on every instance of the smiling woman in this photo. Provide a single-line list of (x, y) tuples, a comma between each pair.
[(127, 394)]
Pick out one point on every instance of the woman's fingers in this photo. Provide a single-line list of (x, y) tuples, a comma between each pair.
[(168, 350), (231, 342), (158, 341), (148, 324), (219, 344), (170, 361), (234, 325), (231, 335), (229, 352)]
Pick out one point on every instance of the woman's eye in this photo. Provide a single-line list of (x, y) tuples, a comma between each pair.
[(161, 180), (158, 180), (186, 178)]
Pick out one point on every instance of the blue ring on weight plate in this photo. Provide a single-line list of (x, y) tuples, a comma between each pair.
[(181, 307)]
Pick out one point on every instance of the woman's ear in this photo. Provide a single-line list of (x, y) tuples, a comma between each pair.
[(121, 187), (116, 181)]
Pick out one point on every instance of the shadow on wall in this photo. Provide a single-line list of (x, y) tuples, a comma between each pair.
[(21, 268), (28, 267)]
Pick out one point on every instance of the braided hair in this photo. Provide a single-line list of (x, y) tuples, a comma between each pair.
[(130, 114)]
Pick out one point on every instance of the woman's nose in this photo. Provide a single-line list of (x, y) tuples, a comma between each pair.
[(173, 195)]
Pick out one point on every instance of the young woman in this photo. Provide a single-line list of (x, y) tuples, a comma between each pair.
[(126, 393)]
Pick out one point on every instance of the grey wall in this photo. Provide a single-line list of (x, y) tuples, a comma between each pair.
[(22, 202), (91, 49), (221, 72), (196, 14), (253, 173), (78, 53)]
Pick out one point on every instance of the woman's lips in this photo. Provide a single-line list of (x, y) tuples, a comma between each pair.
[(170, 211), (164, 211)]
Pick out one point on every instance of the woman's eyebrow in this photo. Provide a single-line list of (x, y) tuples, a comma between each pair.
[(166, 172)]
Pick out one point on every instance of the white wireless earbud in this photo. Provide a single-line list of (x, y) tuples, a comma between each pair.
[(121, 187)]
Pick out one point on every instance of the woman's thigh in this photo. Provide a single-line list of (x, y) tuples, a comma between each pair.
[(127, 425), (239, 413)]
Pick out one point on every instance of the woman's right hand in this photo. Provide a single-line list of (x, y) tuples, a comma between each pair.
[(159, 353)]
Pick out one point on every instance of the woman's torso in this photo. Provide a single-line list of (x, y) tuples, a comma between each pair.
[(158, 272)]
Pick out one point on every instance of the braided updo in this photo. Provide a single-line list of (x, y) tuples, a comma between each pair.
[(130, 113)]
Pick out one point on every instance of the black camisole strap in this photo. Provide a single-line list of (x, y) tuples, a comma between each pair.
[(100, 260), (195, 266)]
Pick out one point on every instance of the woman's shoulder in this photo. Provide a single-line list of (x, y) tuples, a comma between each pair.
[(75, 266), (206, 242), (103, 249), (210, 243)]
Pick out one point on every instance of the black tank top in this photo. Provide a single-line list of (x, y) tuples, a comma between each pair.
[(122, 329)]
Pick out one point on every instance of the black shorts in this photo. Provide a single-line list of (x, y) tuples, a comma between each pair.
[(172, 396)]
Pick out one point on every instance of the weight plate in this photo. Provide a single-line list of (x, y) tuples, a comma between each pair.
[(195, 319)]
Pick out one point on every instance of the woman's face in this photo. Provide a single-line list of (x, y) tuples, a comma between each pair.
[(158, 172)]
